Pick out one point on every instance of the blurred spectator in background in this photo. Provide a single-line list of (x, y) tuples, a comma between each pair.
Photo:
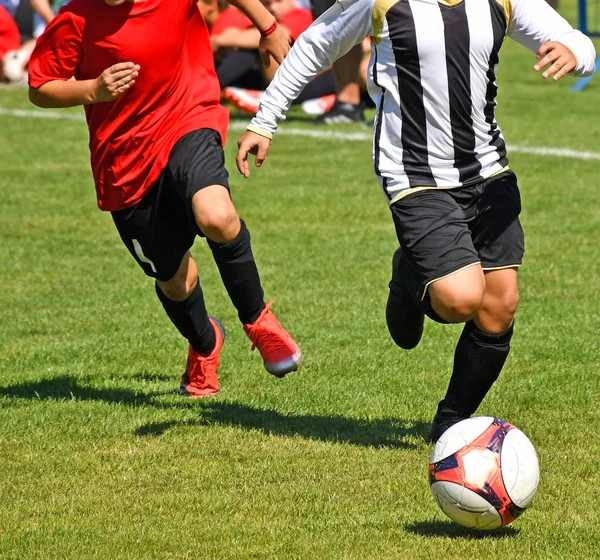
[(348, 107), (10, 42), (43, 13), (21, 22), (241, 73), (211, 9)]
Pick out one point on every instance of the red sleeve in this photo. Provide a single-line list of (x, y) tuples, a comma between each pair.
[(57, 52), (296, 21)]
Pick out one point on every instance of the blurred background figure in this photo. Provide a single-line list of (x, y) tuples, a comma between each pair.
[(240, 70), (348, 105), (10, 42), (21, 22)]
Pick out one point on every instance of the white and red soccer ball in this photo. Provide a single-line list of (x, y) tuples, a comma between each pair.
[(483, 472)]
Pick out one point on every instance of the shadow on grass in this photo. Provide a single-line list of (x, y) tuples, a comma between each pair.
[(451, 530), (66, 387), (386, 432)]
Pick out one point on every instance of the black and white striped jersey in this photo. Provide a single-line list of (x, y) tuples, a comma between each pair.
[(432, 76)]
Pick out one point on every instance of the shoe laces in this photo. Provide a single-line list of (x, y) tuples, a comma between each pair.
[(197, 365), (270, 338)]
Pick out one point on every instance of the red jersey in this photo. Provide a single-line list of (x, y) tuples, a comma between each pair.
[(176, 92), (10, 37)]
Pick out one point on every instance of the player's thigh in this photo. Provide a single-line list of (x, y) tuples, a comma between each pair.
[(155, 233), (215, 213), (458, 296), (197, 164), (433, 231)]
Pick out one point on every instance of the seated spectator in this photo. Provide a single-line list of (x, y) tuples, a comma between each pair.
[(21, 22), (13, 56), (241, 72), (43, 13), (31, 16), (211, 9)]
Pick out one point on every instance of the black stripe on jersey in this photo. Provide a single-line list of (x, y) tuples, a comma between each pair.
[(499, 26), (379, 122), (403, 36), (458, 66)]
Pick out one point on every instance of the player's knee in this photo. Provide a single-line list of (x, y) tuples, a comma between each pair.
[(181, 285), (219, 222), (459, 307), (497, 313), (455, 302), (177, 288)]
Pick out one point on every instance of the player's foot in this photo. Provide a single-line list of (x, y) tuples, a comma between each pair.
[(342, 113), (444, 418), (246, 100), (403, 316), (319, 106), (278, 349), (200, 377)]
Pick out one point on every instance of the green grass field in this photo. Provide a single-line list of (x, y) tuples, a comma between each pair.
[(100, 459)]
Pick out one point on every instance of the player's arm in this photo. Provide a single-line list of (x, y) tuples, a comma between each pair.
[(560, 49), (274, 39), (110, 85), (236, 39), (43, 9), (331, 36)]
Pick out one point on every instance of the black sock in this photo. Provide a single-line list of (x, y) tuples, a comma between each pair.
[(478, 361), (240, 275), (191, 319)]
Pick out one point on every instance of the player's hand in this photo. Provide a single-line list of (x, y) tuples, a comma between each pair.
[(276, 45), (116, 80), (556, 58), (251, 143)]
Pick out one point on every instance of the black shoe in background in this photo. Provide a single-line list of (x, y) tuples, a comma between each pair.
[(342, 113)]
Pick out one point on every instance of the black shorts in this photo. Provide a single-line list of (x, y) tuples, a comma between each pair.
[(443, 230), (161, 228)]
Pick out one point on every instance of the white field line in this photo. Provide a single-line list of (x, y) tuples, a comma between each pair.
[(313, 133)]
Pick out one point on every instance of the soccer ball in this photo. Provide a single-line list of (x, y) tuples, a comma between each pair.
[(483, 472)]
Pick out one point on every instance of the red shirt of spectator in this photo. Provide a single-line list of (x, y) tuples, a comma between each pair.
[(296, 20), (228, 19), (177, 90), (10, 38)]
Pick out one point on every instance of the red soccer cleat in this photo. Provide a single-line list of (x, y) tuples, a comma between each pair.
[(278, 349), (246, 100), (200, 377)]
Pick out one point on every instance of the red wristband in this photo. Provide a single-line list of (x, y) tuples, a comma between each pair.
[(270, 30)]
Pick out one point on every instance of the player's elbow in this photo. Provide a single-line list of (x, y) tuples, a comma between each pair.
[(37, 98), (41, 98)]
